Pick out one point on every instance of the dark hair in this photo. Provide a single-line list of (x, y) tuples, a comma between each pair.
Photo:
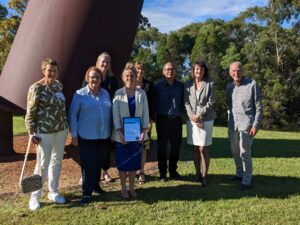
[(139, 63), (203, 65)]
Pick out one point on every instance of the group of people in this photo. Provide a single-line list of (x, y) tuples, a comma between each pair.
[(96, 123)]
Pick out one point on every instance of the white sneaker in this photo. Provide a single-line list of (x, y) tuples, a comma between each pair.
[(55, 197), (34, 204)]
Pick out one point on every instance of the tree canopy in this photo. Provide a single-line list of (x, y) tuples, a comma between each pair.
[(265, 39), (10, 18)]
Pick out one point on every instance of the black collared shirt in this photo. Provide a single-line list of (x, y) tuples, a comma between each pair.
[(169, 98)]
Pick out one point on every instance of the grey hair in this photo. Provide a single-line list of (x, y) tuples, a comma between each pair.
[(236, 63)]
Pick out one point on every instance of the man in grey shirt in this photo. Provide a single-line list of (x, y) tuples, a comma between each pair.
[(245, 116)]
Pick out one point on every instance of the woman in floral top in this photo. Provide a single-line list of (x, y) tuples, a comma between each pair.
[(47, 126)]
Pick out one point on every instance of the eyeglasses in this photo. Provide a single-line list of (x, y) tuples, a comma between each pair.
[(95, 77), (169, 69)]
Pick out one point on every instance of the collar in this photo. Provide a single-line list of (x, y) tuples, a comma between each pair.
[(88, 90), (242, 82), (166, 82)]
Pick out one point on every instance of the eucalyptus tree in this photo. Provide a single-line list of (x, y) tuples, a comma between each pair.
[(10, 18), (272, 59)]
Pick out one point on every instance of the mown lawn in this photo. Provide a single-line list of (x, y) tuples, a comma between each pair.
[(274, 200), (18, 125)]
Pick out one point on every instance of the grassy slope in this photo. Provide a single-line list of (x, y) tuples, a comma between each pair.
[(275, 199)]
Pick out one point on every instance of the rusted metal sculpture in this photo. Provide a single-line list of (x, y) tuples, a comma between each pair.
[(73, 32)]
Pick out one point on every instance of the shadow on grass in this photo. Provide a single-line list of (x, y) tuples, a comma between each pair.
[(261, 148), (219, 188)]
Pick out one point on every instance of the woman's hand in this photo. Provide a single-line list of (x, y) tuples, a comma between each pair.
[(35, 139), (142, 137), (121, 136), (196, 119), (200, 124), (149, 127), (143, 134), (75, 142), (193, 118)]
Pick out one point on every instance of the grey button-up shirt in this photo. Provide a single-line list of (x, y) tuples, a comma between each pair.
[(244, 102)]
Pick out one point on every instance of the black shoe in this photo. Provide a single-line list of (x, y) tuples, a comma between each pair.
[(163, 178), (235, 178), (85, 200), (198, 179), (175, 176), (98, 191), (245, 187), (204, 182)]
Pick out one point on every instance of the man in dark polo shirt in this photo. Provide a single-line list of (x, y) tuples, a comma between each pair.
[(169, 107)]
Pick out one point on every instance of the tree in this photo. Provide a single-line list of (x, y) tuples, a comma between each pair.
[(272, 59), (9, 23), (145, 48), (144, 23), (265, 39)]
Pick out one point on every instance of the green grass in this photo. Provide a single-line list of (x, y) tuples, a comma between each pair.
[(274, 200), (19, 125)]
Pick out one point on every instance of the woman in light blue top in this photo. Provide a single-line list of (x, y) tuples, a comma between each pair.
[(90, 125)]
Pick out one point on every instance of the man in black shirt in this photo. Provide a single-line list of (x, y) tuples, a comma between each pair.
[(168, 107)]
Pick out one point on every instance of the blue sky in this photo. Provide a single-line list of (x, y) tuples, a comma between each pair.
[(169, 15)]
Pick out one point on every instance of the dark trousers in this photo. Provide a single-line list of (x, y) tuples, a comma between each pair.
[(92, 153), (106, 161), (169, 129)]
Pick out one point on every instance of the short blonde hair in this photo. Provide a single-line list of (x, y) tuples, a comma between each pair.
[(48, 61), (129, 66), (92, 68)]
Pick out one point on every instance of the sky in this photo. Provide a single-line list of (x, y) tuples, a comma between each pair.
[(170, 15)]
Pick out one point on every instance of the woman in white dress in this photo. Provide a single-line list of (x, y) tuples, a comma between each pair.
[(199, 100)]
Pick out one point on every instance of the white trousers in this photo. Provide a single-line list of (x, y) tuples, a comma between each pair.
[(50, 153)]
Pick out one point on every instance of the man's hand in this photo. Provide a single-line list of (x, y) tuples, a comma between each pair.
[(253, 131)]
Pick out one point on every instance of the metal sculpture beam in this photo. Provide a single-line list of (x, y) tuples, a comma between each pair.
[(73, 32)]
